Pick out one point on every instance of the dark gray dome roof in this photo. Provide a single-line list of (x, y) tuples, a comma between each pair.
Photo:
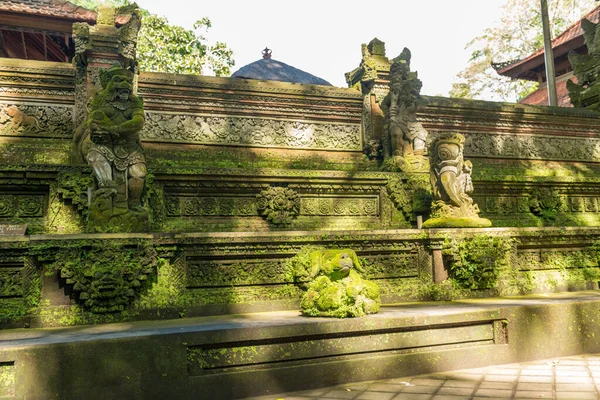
[(273, 70)]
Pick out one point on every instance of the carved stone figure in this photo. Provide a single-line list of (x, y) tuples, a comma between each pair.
[(404, 135), (278, 205), (110, 143), (586, 92), (106, 276), (451, 183), (21, 120), (128, 33), (336, 288)]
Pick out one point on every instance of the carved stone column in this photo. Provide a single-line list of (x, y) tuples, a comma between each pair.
[(372, 79), (440, 273), (109, 117)]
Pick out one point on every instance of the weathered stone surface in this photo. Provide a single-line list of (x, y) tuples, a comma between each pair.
[(200, 357), (404, 136), (451, 180), (109, 141), (336, 288), (8, 230), (586, 92)]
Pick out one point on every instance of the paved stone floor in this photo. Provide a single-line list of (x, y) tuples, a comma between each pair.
[(576, 377)]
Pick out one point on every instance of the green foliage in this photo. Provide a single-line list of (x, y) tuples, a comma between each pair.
[(414, 201), (517, 35), (163, 47), (478, 261), (591, 274), (168, 288), (447, 290), (170, 48), (74, 186)]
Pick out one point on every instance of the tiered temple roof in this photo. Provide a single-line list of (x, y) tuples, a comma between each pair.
[(533, 66), (39, 29)]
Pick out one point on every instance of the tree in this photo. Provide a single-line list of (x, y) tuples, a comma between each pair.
[(163, 47), (518, 34)]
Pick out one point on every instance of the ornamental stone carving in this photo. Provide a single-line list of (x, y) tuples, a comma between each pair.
[(336, 288), (34, 120), (278, 205), (404, 136), (243, 131), (586, 92), (109, 142), (451, 184), (106, 276)]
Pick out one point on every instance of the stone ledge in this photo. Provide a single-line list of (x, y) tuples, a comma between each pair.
[(153, 359)]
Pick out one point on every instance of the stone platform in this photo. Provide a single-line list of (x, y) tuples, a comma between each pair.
[(573, 377), (236, 356)]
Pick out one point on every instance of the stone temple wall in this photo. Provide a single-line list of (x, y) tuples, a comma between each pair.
[(216, 145)]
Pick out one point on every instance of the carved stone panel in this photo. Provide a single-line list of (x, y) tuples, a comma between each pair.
[(11, 279), (209, 273), (340, 206), (188, 206), (21, 205), (532, 147), (243, 131), (36, 120)]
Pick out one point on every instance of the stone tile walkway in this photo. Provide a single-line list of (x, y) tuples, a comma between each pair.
[(576, 377)]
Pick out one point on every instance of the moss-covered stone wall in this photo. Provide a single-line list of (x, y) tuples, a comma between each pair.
[(49, 280)]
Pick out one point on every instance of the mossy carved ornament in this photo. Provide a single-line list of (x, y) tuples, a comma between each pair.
[(451, 183), (109, 142), (336, 288)]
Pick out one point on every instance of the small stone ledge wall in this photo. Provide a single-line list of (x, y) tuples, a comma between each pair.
[(220, 273), (223, 358)]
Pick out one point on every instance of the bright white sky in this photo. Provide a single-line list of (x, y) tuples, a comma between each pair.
[(324, 37)]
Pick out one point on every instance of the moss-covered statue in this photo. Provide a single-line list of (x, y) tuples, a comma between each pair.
[(451, 183), (336, 288), (404, 136), (586, 92), (109, 141)]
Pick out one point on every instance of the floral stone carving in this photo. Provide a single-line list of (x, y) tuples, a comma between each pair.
[(404, 136), (106, 277), (336, 288), (109, 141), (586, 92), (451, 183), (278, 205)]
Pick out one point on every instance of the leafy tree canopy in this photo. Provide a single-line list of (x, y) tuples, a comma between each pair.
[(163, 47), (517, 35)]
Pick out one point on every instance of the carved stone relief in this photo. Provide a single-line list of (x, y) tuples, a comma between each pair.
[(22, 206), (210, 206), (20, 120), (18, 276), (241, 131), (532, 147), (11, 280), (326, 206)]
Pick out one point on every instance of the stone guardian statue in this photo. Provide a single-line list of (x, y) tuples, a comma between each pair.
[(109, 142), (451, 182), (586, 68), (404, 136)]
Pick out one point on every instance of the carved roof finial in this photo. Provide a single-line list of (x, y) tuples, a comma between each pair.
[(267, 53)]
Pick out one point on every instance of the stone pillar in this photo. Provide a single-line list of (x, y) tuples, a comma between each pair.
[(111, 42), (440, 273), (372, 79)]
